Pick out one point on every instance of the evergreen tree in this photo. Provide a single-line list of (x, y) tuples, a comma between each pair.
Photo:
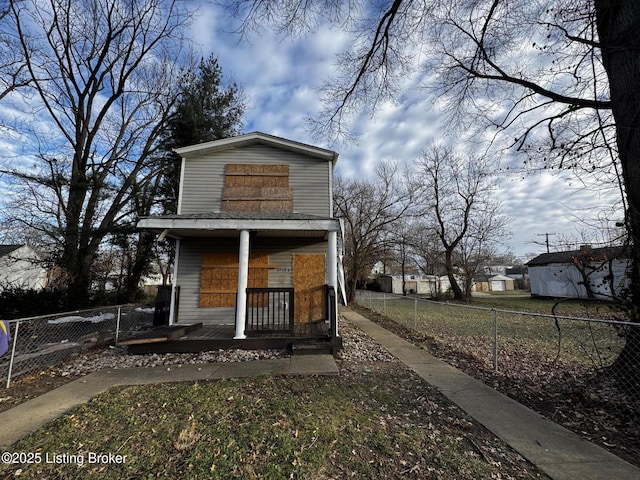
[(208, 109)]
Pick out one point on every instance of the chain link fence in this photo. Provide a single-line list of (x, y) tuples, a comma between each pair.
[(495, 337), (581, 372), (37, 343)]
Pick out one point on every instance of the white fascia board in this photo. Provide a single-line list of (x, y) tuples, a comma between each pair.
[(256, 137), (174, 224)]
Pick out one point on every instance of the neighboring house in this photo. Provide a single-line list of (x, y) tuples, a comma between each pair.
[(255, 233), (495, 269), (501, 283), (492, 283), (377, 269), (414, 284), (21, 267), (565, 274), (520, 276)]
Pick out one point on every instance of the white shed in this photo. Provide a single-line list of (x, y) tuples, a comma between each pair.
[(20, 267), (558, 274), (414, 283), (500, 283)]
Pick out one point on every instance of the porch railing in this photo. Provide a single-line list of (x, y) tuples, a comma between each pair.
[(269, 310)]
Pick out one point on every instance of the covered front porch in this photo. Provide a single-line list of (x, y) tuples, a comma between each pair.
[(249, 281)]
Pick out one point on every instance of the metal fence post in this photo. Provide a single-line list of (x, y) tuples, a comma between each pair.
[(495, 339), (415, 313), (118, 325), (13, 352), (384, 302)]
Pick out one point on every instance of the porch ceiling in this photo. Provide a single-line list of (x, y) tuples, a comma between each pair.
[(222, 224)]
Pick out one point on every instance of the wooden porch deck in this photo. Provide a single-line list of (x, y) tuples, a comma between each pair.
[(198, 338)]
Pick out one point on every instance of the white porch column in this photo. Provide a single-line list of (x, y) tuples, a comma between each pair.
[(243, 277), (174, 282), (332, 261)]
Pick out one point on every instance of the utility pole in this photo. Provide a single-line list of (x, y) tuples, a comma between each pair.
[(547, 238)]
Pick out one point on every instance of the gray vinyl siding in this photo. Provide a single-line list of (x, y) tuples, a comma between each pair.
[(280, 253), (204, 179)]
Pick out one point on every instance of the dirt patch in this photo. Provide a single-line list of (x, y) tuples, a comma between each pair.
[(31, 387)]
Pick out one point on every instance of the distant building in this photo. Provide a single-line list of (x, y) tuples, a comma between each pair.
[(20, 267), (492, 283), (565, 274), (520, 276), (414, 284)]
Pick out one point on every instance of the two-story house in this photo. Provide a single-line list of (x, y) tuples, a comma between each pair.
[(256, 240)]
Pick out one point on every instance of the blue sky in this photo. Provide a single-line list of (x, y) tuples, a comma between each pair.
[(281, 77)]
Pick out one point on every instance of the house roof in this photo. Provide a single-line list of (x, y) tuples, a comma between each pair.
[(593, 254), (519, 270), (198, 224), (500, 277), (7, 249), (257, 138)]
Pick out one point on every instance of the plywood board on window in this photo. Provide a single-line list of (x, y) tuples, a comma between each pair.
[(257, 193), (219, 277), (218, 259), (257, 206), (309, 287), (257, 188)]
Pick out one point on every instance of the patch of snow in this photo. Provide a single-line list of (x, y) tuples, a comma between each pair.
[(146, 310), (77, 318)]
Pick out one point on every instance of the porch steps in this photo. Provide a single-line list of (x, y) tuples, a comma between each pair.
[(161, 334), (316, 347)]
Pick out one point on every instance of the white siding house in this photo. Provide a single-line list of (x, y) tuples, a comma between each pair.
[(20, 267), (255, 218), (415, 284), (563, 274)]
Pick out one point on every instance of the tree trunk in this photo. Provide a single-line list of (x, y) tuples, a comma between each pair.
[(143, 253), (79, 284), (458, 294), (352, 285), (617, 23)]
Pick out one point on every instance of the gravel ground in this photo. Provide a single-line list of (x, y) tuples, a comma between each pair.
[(359, 355)]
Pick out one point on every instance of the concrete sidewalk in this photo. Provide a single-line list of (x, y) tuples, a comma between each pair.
[(30, 416), (559, 453)]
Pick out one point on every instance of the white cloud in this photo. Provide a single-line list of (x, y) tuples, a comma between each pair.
[(281, 77)]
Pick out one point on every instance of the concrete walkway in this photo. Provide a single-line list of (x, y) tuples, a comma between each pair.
[(558, 452), (30, 416)]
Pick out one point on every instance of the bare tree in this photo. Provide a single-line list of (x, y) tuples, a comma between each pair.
[(369, 208), (103, 77), (13, 73), (456, 198), (555, 78)]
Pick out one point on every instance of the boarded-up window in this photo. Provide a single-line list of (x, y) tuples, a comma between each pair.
[(250, 188), (219, 277), (309, 287)]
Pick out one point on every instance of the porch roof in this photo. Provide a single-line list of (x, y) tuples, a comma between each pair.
[(203, 224)]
